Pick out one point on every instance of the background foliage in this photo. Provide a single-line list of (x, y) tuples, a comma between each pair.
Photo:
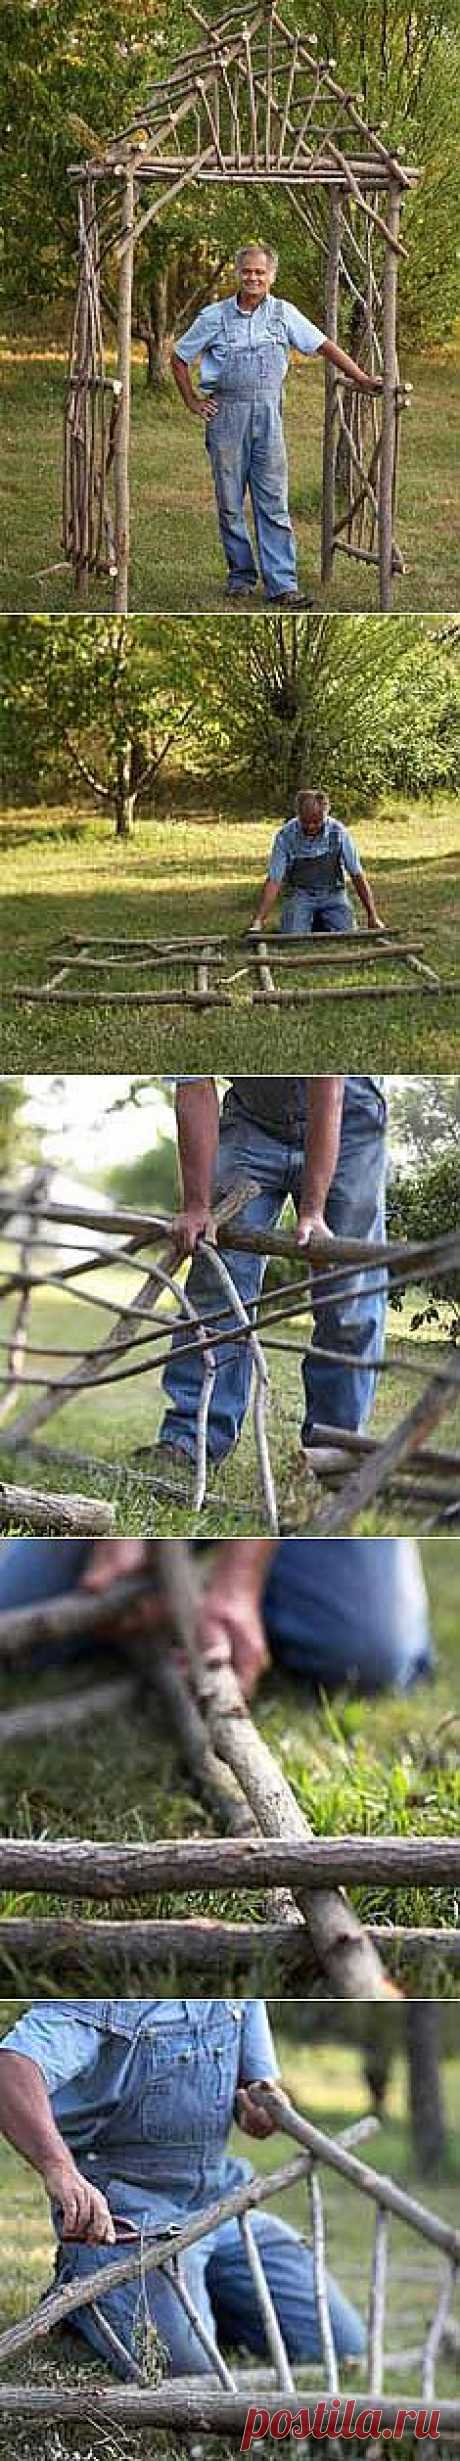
[(73, 71)]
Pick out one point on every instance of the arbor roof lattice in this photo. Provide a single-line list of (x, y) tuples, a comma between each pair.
[(250, 103)]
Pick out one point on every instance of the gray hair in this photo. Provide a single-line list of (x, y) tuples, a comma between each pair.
[(257, 247), (318, 794)]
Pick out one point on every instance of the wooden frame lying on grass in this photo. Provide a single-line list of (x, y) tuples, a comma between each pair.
[(251, 957), (308, 1927), (144, 1326), (251, 105), (188, 2403)]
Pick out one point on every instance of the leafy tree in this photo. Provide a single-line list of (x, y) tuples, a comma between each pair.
[(425, 1114), (110, 696), (342, 700)]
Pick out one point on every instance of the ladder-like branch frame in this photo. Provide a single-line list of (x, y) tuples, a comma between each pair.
[(162, 2251)]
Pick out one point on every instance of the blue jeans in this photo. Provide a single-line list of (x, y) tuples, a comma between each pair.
[(246, 449), (336, 1395), (336, 1611), (217, 2275), (302, 913)]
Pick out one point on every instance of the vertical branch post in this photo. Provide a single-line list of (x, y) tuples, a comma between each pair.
[(122, 430), (329, 444), (390, 371)]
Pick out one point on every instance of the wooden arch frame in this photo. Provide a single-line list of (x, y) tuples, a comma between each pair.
[(251, 105)]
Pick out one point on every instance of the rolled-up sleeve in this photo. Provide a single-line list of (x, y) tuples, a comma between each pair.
[(302, 334), (258, 2056), (201, 335), (61, 2039), (278, 863)]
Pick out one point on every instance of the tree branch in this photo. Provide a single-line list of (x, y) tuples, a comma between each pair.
[(95, 783), (153, 765)]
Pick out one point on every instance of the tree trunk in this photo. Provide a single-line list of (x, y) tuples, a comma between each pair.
[(124, 798), (425, 2084)]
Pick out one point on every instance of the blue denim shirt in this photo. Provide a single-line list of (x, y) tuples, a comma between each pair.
[(208, 338), (143, 2091), (291, 841)]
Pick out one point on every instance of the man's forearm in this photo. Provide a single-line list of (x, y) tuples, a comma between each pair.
[(182, 378), (322, 1139), (364, 892), (350, 367), (270, 893), (26, 2117), (197, 1113)]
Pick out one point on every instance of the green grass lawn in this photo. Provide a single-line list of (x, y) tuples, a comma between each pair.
[(326, 2081), (62, 872), (387, 1766), (177, 561)]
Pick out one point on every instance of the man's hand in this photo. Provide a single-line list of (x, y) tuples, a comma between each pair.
[(194, 1223), (230, 1625), (118, 1559), (311, 1225), (113, 1559), (85, 2212), (249, 2116), (204, 405), (375, 922)]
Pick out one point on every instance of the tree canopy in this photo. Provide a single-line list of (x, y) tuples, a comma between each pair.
[(359, 704)]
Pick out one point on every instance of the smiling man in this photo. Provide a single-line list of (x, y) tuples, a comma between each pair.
[(125, 2108), (243, 344)]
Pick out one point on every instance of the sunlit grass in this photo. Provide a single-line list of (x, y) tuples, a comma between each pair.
[(177, 563), (64, 871)]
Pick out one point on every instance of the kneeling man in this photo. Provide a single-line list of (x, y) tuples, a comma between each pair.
[(125, 2108)]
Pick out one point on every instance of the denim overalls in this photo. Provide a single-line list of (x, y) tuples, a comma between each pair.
[(246, 447), (261, 1137), (314, 891), (149, 2119)]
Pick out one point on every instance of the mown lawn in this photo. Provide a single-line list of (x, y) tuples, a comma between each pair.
[(62, 871), (326, 2081), (388, 1766), (177, 562)]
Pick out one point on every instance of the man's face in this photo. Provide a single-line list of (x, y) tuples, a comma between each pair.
[(312, 811), (254, 278)]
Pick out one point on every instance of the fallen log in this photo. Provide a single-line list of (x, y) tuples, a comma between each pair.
[(76, 1615), (85, 1868), (205, 1946), (210, 2412), (76, 1516), (65, 1711), (363, 1484)]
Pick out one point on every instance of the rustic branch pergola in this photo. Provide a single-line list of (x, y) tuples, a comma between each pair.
[(250, 106)]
